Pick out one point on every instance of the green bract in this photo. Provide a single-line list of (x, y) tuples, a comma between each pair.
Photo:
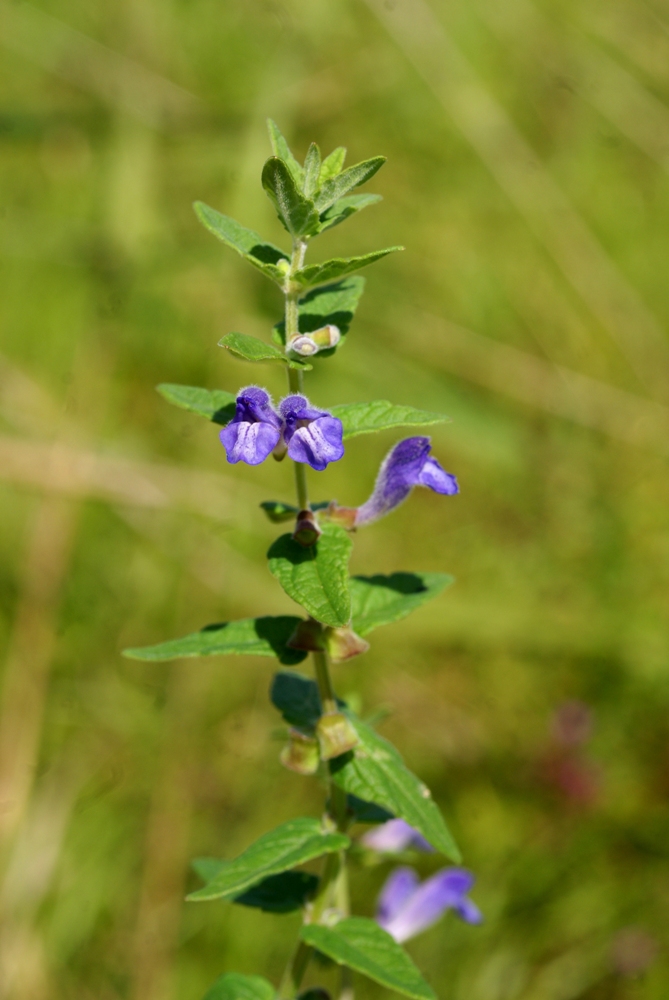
[(366, 778)]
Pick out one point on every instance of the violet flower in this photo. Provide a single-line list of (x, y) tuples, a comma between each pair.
[(313, 436), (407, 906), (407, 465), (255, 429), (393, 836)]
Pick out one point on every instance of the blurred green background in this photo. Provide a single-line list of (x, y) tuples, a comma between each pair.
[(528, 150)]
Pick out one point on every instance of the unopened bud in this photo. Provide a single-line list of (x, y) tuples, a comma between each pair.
[(306, 531), (280, 450), (345, 516), (335, 735), (301, 753), (343, 644), (283, 265), (308, 636), (327, 336), (303, 345)]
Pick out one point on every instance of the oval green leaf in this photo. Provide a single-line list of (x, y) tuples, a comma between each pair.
[(381, 415), (375, 772), (380, 600), (291, 844), (214, 404), (252, 349), (266, 636), (316, 577), (362, 945), (331, 270), (234, 986)]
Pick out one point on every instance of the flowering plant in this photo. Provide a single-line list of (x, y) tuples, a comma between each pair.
[(365, 776)]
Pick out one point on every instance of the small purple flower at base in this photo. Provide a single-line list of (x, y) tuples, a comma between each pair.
[(313, 436), (393, 836), (407, 465), (255, 429), (406, 906)]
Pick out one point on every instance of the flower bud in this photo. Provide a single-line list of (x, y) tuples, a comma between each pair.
[(303, 345), (335, 735), (343, 644), (327, 336), (306, 531), (308, 636), (283, 265), (300, 753)]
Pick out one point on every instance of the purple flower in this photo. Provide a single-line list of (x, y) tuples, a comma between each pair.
[(313, 436), (255, 429), (394, 836), (407, 465), (407, 906)]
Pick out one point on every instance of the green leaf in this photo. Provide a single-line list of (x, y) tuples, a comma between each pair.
[(291, 844), (380, 600), (367, 812), (277, 894), (297, 698), (316, 577), (281, 149), (297, 213), (234, 986), (362, 945), (265, 256), (312, 169), (344, 207), (214, 404), (332, 164), (266, 636), (335, 303), (375, 772), (336, 187), (252, 349), (331, 270), (380, 415)]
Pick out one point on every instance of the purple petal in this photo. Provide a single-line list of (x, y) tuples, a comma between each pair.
[(395, 835), (398, 889), (426, 905), (468, 911), (459, 880), (249, 442), (254, 404), (318, 443), (438, 479), (407, 465), (294, 408)]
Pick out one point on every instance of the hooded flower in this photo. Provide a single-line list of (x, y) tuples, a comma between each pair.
[(395, 835), (313, 436), (407, 906), (407, 465), (255, 429)]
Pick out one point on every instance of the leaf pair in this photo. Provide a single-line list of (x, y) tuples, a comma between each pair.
[(374, 601), (357, 418)]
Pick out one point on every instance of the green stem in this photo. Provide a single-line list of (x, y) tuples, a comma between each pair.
[(325, 686), (333, 885), (294, 974)]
